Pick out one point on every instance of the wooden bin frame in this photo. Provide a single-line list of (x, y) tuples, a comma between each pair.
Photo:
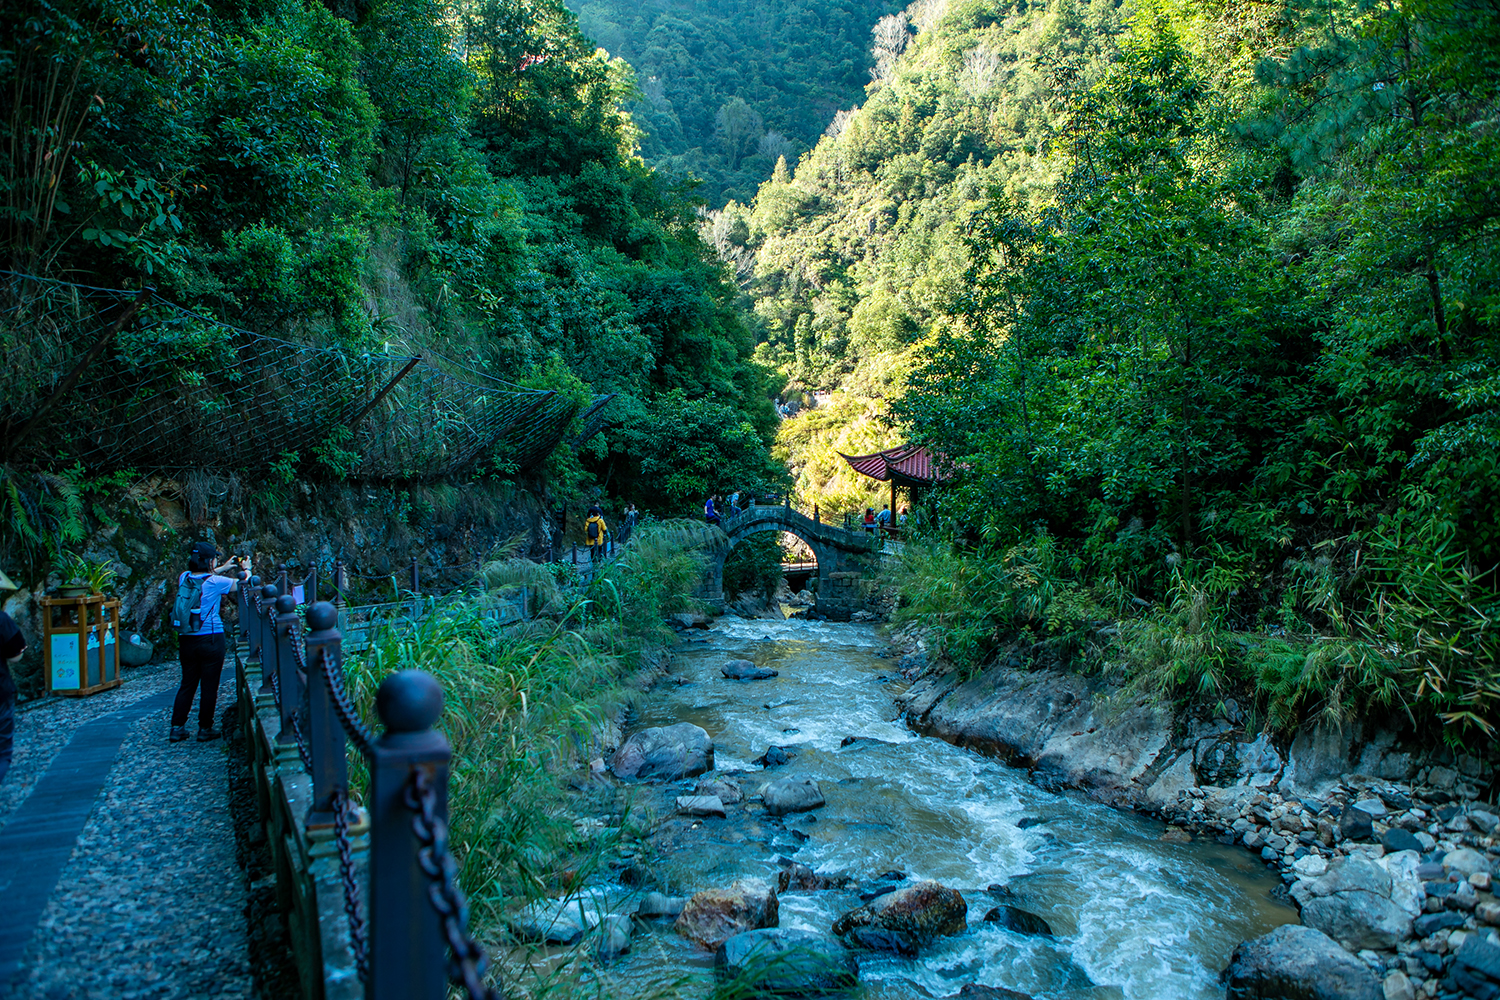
[(89, 612)]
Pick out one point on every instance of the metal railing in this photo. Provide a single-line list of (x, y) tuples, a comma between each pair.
[(413, 939)]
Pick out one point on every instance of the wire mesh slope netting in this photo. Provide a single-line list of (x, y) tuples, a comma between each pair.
[(117, 380)]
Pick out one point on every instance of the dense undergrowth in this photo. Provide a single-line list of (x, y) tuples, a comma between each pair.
[(527, 704)]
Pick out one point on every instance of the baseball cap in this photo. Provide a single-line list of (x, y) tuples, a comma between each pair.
[(204, 550)]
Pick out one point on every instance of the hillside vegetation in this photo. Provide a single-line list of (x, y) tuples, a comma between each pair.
[(1199, 302), (396, 176), (727, 87)]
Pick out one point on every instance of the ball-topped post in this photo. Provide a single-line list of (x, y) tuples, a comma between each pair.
[(408, 953), (325, 731), (322, 616), (409, 701), (284, 626)]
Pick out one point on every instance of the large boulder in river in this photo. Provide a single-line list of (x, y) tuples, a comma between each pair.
[(1294, 962), (670, 752), (918, 913), (786, 963), (714, 915), (745, 670), (792, 795), (723, 789), (1352, 904)]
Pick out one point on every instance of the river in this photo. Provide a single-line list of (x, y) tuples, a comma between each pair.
[(1133, 916)]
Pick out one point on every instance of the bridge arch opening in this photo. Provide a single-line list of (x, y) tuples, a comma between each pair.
[(843, 558)]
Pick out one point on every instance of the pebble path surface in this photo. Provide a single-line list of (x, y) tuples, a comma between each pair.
[(151, 901)]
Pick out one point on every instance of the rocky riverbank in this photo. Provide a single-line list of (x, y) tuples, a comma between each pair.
[(1389, 849)]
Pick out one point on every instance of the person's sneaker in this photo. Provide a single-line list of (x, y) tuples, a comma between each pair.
[(204, 735), (177, 735)]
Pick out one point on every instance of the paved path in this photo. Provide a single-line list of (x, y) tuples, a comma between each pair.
[(119, 877)]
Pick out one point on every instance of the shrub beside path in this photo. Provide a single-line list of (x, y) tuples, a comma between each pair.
[(120, 874)]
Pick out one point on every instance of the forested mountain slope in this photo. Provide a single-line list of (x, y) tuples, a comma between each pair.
[(1200, 304), (726, 87), (389, 175), (861, 252)]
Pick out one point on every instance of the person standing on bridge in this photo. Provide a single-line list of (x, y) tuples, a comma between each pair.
[(734, 503), (869, 524), (201, 643), (595, 533), (709, 514), (12, 645)]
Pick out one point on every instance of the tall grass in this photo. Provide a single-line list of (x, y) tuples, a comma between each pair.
[(1407, 625), (525, 706)]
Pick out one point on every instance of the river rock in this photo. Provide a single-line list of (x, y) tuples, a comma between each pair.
[(1052, 718), (1398, 987), (614, 937), (714, 915), (1352, 904), (797, 877), (1013, 918), (1466, 862), (879, 886), (1355, 824), (1397, 839), (726, 791), (921, 911), (785, 962), (745, 670), (670, 752), (792, 795), (657, 905), (776, 756), (700, 805), (549, 921), (1294, 962)]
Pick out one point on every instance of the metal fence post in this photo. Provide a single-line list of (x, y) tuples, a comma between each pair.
[(325, 736), (310, 585), (247, 621), (281, 585), (266, 637), (284, 626), (340, 582), (408, 955), (817, 516)]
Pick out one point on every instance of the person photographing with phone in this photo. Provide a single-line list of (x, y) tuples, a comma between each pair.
[(198, 619)]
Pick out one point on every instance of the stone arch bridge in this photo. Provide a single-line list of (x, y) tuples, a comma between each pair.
[(846, 559)]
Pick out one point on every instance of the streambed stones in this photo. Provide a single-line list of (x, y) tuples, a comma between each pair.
[(918, 913), (714, 915), (746, 670), (786, 962), (1294, 962), (792, 795), (669, 752)]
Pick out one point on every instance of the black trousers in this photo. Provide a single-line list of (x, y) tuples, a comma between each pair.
[(202, 662)]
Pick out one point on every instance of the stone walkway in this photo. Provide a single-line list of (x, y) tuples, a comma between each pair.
[(120, 877)]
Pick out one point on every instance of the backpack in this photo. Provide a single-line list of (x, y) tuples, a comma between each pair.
[(187, 610), (593, 530)]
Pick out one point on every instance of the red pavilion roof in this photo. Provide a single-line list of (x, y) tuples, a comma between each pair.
[(905, 464)]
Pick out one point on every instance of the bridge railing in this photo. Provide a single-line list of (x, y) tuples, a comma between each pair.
[(373, 903)]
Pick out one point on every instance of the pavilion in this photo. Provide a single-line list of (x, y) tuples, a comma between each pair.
[(906, 465)]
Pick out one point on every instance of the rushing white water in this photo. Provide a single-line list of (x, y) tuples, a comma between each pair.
[(1133, 917)]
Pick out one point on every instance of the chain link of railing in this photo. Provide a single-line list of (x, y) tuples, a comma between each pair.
[(413, 940)]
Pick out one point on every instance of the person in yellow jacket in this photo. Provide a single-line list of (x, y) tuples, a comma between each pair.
[(595, 531)]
